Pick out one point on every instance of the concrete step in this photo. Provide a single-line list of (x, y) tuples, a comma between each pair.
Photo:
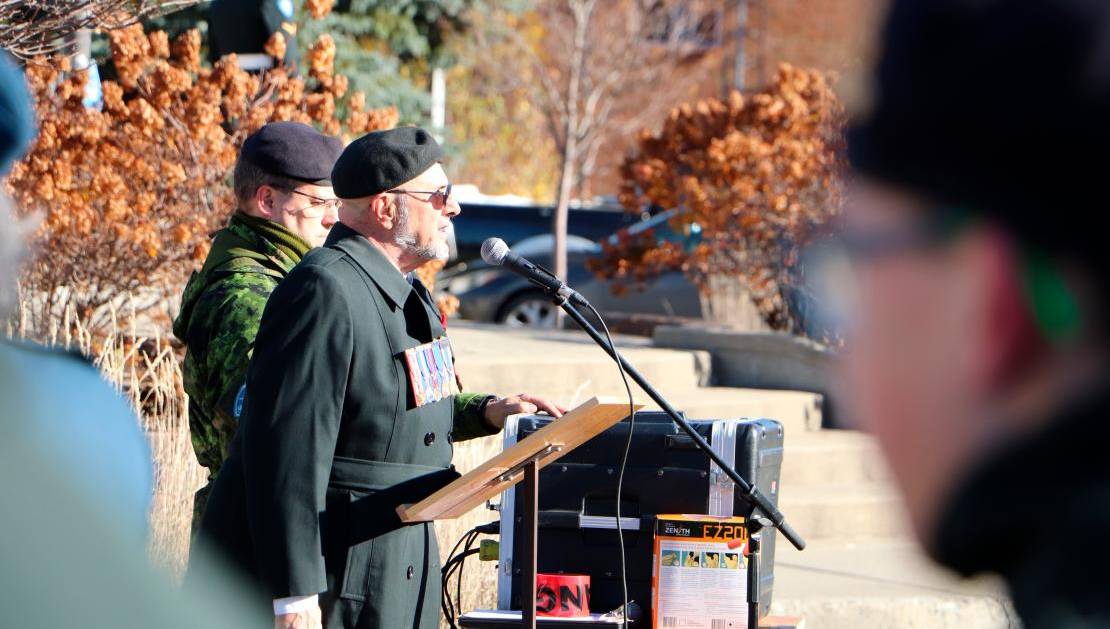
[(826, 457), (797, 411), (828, 511), (878, 584), (565, 366)]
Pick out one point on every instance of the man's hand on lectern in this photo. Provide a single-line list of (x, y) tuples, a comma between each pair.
[(500, 409)]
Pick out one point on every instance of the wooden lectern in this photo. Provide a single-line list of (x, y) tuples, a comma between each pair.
[(522, 461)]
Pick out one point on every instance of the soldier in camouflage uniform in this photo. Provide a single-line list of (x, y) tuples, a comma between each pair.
[(286, 207)]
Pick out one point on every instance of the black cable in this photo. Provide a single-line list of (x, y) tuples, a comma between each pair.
[(457, 572), (453, 610), (493, 528), (624, 462), (455, 549), (454, 565), (462, 565), (445, 598), (453, 560), (445, 601)]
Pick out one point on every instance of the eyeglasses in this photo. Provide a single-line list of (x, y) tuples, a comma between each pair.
[(318, 207), (827, 267), (937, 227), (438, 198), (327, 204)]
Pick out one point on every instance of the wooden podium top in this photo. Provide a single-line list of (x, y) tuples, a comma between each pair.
[(547, 444)]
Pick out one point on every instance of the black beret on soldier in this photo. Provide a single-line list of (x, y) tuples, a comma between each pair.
[(382, 160), (293, 150)]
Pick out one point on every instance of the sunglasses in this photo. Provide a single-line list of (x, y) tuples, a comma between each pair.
[(438, 198)]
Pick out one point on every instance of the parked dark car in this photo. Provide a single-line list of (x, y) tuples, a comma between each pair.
[(514, 223), (493, 294)]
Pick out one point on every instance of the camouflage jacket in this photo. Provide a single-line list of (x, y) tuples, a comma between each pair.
[(220, 311)]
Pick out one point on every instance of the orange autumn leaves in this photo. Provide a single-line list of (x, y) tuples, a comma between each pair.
[(129, 193), (318, 8), (757, 174)]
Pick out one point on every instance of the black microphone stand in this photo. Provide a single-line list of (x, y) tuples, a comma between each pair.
[(748, 491)]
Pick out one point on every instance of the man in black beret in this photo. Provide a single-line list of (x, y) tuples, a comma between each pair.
[(976, 347), (352, 402), (285, 207)]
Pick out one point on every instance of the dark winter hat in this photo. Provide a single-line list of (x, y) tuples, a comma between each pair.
[(293, 150), (382, 160), (1001, 107)]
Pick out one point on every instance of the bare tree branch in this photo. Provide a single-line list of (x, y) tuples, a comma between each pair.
[(592, 70), (29, 28)]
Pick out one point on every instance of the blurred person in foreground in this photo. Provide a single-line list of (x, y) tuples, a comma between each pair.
[(75, 414), (353, 406), (75, 473), (976, 340), (285, 207)]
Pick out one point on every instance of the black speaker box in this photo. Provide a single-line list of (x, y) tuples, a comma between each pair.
[(666, 474)]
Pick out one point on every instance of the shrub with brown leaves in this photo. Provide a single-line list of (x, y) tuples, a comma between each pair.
[(318, 8), (129, 194), (757, 175)]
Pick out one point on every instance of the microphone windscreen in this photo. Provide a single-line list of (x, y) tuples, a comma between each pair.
[(494, 251)]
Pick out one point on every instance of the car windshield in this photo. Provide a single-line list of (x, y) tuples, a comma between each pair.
[(536, 246), (663, 231)]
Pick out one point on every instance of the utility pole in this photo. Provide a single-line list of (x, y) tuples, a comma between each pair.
[(740, 61), (439, 103)]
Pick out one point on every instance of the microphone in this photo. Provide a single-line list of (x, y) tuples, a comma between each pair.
[(496, 253)]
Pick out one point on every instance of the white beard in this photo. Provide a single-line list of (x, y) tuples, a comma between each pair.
[(405, 238)]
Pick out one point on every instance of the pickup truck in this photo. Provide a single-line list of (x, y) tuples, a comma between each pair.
[(514, 223), (497, 295)]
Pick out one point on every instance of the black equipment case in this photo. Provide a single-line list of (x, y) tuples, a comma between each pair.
[(666, 473)]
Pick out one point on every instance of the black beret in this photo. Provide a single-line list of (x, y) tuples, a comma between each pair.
[(293, 150), (1001, 107), (382, 160)]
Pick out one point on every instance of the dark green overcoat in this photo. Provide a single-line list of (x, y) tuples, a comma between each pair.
[(330, 442)]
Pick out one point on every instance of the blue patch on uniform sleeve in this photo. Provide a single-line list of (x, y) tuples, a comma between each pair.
[(239, 398)]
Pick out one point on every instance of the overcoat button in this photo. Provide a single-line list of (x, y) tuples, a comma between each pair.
[(429, 438), (450, 437), (410, 572)]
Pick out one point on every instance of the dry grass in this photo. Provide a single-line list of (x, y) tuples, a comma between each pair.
[(479, 589), (147, 370)]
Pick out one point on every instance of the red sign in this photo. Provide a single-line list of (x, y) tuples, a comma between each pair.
[(565, 595)]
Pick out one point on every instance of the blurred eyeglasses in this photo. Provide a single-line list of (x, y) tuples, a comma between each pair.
[(318, 205), (438, 198), (828, 264)]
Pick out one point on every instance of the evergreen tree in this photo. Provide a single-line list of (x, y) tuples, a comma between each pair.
[(388, 47)]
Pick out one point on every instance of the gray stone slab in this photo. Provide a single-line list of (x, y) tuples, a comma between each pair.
[(761, 360)]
